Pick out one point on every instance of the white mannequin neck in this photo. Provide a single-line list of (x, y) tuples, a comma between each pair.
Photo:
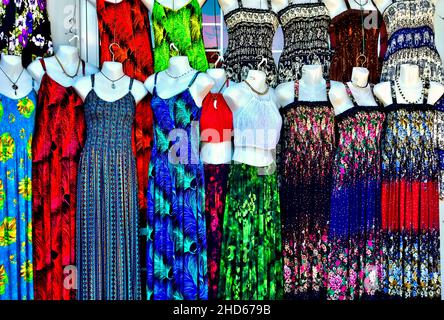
[(68, 54), (366, 5), (335, 7), (178, 65), (258, 80), (409, 75), (219, 76), (360, 76), (312, 86), (11, 65), (230, 5), (382, 4), (113, 70)]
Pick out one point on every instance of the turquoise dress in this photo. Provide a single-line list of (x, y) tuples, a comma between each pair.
[(17, 127)]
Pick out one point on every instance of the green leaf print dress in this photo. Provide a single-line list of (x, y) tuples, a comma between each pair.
[(183, 27)]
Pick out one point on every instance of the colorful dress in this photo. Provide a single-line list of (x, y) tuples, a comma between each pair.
[(108, 266), (305, 165), (250, 39), (176, 246), (132, 33), (348, 42), (56, 147), (25, 29), (410, 202), (306, 39), (251, 263), (218, 119), (16, 267), (354, 269), (183, 27), (410, 26)]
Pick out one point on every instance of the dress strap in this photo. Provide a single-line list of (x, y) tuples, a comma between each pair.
[(83, 68), (350, 93), (327, 87), (269, 5), (155, 83), (239, 4), (296, 90), (393, 91), (43, 63), (131, 84), (193, 79), (93, 80), (347, 4)]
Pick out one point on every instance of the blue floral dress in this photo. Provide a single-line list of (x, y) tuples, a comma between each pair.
[(176, 244), (17, 127)]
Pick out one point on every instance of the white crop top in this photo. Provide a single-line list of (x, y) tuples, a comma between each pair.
[(258, 123)]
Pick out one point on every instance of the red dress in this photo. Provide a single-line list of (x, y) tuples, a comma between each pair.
[(216, 178), (130, 23), (57, 144)]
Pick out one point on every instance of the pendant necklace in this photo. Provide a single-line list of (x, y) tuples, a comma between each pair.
[(113, 82), (255, 91), (178, 76), (63, 69), (14, 83)]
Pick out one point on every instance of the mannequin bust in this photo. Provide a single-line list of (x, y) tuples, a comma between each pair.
[(312, 87), (230, 5), (237, 96), (70, 59), (384, 4), (145, 2), (217, 152), (12, 67), (172, 4), (176, 78), (439, 29), (103, 86), (285, 3), (359, 88), (411, 86)]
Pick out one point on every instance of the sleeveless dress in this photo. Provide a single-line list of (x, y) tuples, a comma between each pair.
[(176, 246), (306, 39), (183, 27), (216, 179), (347, 43), (16, 263), (250, 38), (410, 26), (354, 268), (25, 29), (410, 202), (107, 210), (251, 263), (305, 170), (58, 141), (135, 53)]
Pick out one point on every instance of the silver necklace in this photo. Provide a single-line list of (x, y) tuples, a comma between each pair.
[(361, 4), (113, 82), (398, 85), (14, 83), (178, 76)]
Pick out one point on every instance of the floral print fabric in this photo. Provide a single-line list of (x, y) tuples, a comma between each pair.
[(24, 29), (251, 263), (176, 246), (16, 262), (410, 203), (216, 179), (354, 268), (183, 27), (305, 165)]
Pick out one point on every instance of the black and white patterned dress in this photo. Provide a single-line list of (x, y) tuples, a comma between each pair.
[(305, 27), (250, 39)]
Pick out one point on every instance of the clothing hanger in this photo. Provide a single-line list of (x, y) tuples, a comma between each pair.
[(264, 60), (173, 46), (72, 22), (111, 49), (220, 58)]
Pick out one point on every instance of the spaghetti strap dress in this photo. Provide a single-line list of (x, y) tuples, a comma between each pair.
[(305, 170), (410, 202), (58, 141), (306, 39), (354, 262), (176, 258), (250, 39), (16, 262), (108, 266), (181, 27)]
